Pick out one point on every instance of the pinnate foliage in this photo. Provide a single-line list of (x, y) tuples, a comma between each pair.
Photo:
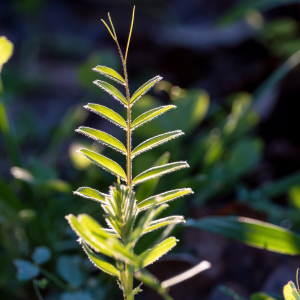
[(128, 219)]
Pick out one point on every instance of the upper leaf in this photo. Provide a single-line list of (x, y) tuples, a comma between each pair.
[(92, 194), (108, 114), (150, 115), (104, 162), (156, 141), (164, 222), (144, 89), (163, 198), (110, 73), (112, 91), (159, 171), (103, 138)]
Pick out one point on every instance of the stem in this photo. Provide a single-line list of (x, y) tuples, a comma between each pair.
[(125, 281), (56, 280)]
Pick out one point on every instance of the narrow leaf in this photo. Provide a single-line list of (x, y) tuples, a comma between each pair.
[(156, 141), (159, 171), (151, 255), (110, 73), (150, 115), (164, 222), (99, 262), (144, 89), (108, 114), (110, 89), (103, 138), (91, 194), (290, 292), (104, 162), (163, 198), (252, 232)]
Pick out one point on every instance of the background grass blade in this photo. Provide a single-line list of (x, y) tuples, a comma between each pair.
[(110, 73), (159, 171), (150, 115), (92, 194), (110, 89), (103, 138), (104, 162), (252, 232), (156, 141), (108, 114)]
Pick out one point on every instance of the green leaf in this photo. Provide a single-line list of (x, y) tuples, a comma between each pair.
[(108, 114), (290, 292), (150, 115), (156, 141), (99, 262), (6, 50), (25, 269), (110, 89), (110, 73), (91, 194), (103, 138), (252, 232), (41, 255), (164, 222), (159, 171), (164, 197), (144, 89), (104, 162), (151, 255), (261, 296)]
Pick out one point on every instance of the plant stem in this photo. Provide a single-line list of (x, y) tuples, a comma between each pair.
[(56, 280)]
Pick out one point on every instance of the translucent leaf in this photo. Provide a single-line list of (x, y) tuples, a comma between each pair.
[(92, 194), (110, 89), (290, 292), (144, 89), (99, 262), (164, 222), (159, 171), (156, 141), (6, 50), (151, 255), (41, 255), (108, 114), (104, 162), (110, 73), (25, 269), (164, 197), (103, 138), (150, 115)]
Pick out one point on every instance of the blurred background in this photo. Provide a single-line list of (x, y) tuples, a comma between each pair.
[(231, 68)]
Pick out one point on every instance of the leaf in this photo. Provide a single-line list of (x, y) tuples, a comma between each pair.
[(144, 89), (110, 89), (68, 267), (290, 292), (103, 138), (252, 232), (164, 222), (99, 262), (6, 50), (261, 296), (150, 115), (78, 295), (104, 162), (92, 194), (156, 141), (151, 255), (110, 73), (41, 255), (159, 171), (163, 197), (108, 114), (25, 269)]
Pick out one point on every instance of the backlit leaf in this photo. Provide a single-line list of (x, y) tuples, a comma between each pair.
[(6, 50), (104, 162), (159, 171), (144, 89), (110, 73), (150, 115), (110, 89), (164, 222), (103, 138), (156, 141), (99, 262), (92, 194), (290, 292), (164, 197)]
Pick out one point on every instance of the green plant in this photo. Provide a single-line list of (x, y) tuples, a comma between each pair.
[(122, 209)]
